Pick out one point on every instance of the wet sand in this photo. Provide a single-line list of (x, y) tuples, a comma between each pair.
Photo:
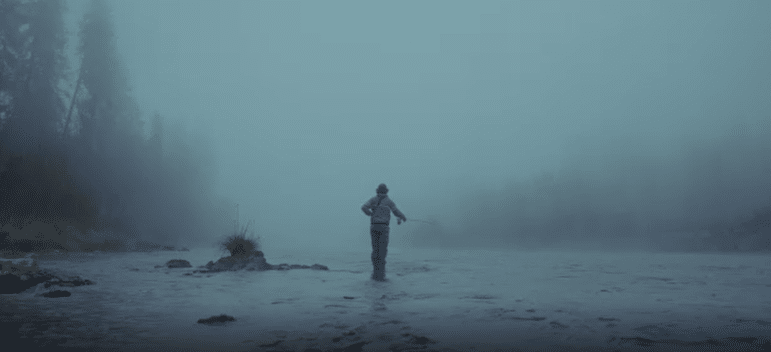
[(434, 301)]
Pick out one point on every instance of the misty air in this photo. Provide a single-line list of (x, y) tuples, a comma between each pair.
[(295, 175)]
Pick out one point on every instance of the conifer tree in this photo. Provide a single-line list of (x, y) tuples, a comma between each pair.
[(32, 41), (32, 64), (109, 116)]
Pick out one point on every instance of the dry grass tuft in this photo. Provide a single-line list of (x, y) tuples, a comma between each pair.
[(242, 242)]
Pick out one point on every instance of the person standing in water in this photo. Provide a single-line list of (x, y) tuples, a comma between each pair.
[(379, 209)]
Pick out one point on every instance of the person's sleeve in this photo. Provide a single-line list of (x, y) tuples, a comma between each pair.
[(397, 212), (367, 207)]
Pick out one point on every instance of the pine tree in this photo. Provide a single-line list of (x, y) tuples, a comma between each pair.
[(32, 41), (12, 48), (109, 116), (33, 181)]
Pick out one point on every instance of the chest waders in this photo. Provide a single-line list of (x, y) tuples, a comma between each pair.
[(378, 231)]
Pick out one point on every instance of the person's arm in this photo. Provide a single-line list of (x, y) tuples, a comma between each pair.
[(367, 207), (397, 212)]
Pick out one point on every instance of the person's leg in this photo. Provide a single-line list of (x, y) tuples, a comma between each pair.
[(383, 249), (375, 236), (379, 234)]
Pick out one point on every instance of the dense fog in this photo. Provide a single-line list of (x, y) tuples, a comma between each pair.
[(640, 125)]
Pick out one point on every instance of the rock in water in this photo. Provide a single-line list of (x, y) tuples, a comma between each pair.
[(19, 266), (319, 267), (284, 266), (233, 263), (18, 275), (254, 261), (10, 283), (57, 294), (70, 282), (178, 263), (214, 319)]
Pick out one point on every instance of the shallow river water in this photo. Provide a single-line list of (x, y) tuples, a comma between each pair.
[(433, 300)]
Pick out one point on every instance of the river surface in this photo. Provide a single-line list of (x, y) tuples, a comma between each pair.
[(433, 300)]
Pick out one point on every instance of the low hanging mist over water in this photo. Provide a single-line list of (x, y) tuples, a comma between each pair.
[(591, 173), (513, 121)]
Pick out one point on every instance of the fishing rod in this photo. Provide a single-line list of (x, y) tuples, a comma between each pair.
[(424, 221)]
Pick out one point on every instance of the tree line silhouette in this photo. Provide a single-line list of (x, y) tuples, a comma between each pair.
[(78, 170)]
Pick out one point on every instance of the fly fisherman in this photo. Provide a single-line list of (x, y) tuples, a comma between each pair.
[(379, 209)]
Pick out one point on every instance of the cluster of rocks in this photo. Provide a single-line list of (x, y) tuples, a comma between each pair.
[(217, 319), (21, 274), (285, 266), (254, 261), (176, 263), (19, 266), (18, 275)]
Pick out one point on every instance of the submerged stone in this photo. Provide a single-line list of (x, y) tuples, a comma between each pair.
[(178, 263), (319, 267), (284, 266), (253, 262), (215, 319), (10, 283), (19, 266), (19, 275), (70, 282), (57, 294)]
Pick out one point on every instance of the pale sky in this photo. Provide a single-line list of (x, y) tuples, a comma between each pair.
[(312, 104)]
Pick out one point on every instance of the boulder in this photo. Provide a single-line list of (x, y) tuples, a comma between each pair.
[(319, 267), (69, 282), (18, 266), (57, 294), (178, 263), (10, 283), (19, 275), (216, 319), (284, 266), (254, 262)]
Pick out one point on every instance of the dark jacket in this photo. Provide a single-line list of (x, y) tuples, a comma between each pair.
[(381, 214)]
